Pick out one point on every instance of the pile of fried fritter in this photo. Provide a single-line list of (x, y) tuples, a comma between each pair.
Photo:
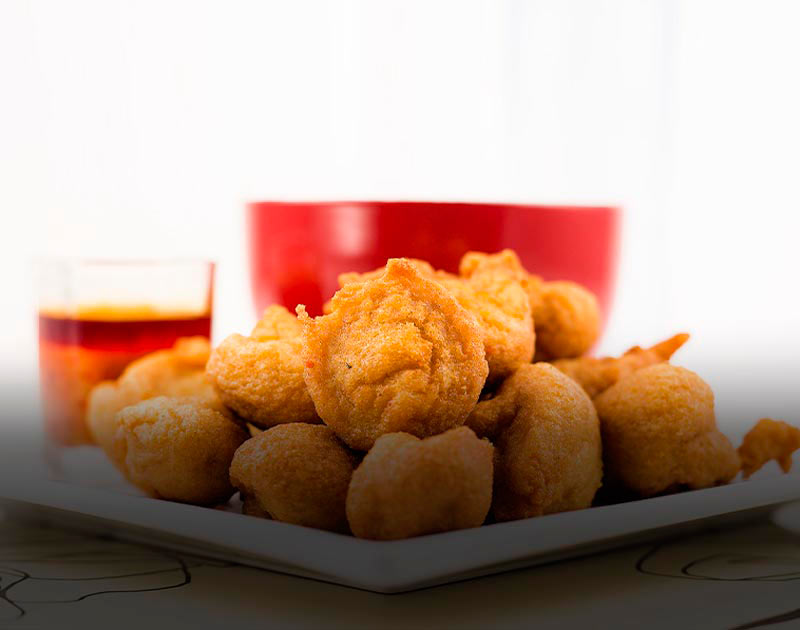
[(421, 401)]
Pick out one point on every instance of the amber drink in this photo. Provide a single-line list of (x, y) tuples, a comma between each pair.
[(96, 317)]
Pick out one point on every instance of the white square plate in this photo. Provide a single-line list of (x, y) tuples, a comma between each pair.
[(389, 567)]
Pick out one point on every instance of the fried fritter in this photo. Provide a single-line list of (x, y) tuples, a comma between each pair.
[(177, 449), (565, 314), (496, 297), (397, 353), (567, 321), (660, 433), (597, 375), (276, 323), (767, 440), (105, 400), (503, 310), (548, 455), (506, 261), (178, 371), (261, 377), (410, 487), (296, 473)]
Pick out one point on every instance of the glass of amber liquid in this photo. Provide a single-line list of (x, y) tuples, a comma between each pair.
[(96, 316)]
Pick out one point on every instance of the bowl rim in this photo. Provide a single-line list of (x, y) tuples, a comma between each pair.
[(325, 204)]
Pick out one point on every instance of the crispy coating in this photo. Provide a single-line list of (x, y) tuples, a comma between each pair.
[(495, 296), (179, 368), (567, 321), (767, 440), (505, 261), (597, 375), (178, 449), (296, 473), (503, 311), (105, 400), (178, 371), (548, 455), (261, 377), (660, 433), (423, 266), (276, 323), (565, 314), (410, 487), (397, 353)]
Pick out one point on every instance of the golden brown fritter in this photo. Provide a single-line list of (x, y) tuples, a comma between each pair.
[(505, 260), (261, 377), (410, 487), (105, 400), (565, 315), (508, 262), (276, 323), (597, 375), (178, 371), (567, 321), (548, 455), (177, 449), (503, 310), (495, 296), (397, 353), (295, 473), (660, 433), (767, 440)]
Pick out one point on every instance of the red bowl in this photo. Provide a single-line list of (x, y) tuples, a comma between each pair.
[(297, 249)]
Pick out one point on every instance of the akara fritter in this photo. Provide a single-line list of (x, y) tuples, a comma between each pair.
[(105, 400), (548, 455), (410, 487), (498, 301), (660, 433), (296, 473), (397, 353), (505, 261), (767, 440), (597, 375), (276, 323), (565, 314), (503, 310), (177, 449), (567, 321), (260, 377), (177, 371)]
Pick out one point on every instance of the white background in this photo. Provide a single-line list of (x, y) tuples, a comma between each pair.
[(141, 128)]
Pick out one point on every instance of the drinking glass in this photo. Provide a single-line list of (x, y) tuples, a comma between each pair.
[(96, 316)]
